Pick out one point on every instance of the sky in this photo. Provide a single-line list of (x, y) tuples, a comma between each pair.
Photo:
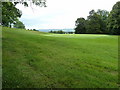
[(60, 14)]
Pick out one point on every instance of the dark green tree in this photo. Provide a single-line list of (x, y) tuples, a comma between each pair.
[(10, 13), (114, 20), (60, 32), (93, 25), (19, 24), (103, 22), (96, 22), (80, 26), (103, 13)]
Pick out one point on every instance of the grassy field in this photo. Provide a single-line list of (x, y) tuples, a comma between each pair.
[(41, 60)]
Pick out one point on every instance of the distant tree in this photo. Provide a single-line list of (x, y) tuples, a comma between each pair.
[(60, 32), (57, 32), (80, 24), (114, 19), (96, 21), (103, 13), (51, 31), (104, 17), (19, 24), (70, 32), (93, 25), (35, 30)]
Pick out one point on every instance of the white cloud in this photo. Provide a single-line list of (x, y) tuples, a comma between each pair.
[(61, 13)]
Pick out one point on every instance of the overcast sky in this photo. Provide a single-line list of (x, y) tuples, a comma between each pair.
[(61, 14)]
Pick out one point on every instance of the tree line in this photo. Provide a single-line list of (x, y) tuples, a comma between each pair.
[(60, 32), (100, 22)]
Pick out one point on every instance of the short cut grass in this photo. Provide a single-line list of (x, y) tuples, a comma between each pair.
[(33, 59)]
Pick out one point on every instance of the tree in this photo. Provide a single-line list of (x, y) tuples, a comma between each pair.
[(93, 25), (80, 26), (10, 13), (34, 2), (96, 21), (19, 24), (103, 13), (104, 17), (114, 19)]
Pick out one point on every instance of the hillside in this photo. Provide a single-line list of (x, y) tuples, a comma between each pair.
[(33, 59)]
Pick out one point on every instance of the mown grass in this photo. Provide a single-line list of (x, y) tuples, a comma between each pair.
[(40, 60)]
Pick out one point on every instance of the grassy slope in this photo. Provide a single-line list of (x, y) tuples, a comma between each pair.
[(34, 59)]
